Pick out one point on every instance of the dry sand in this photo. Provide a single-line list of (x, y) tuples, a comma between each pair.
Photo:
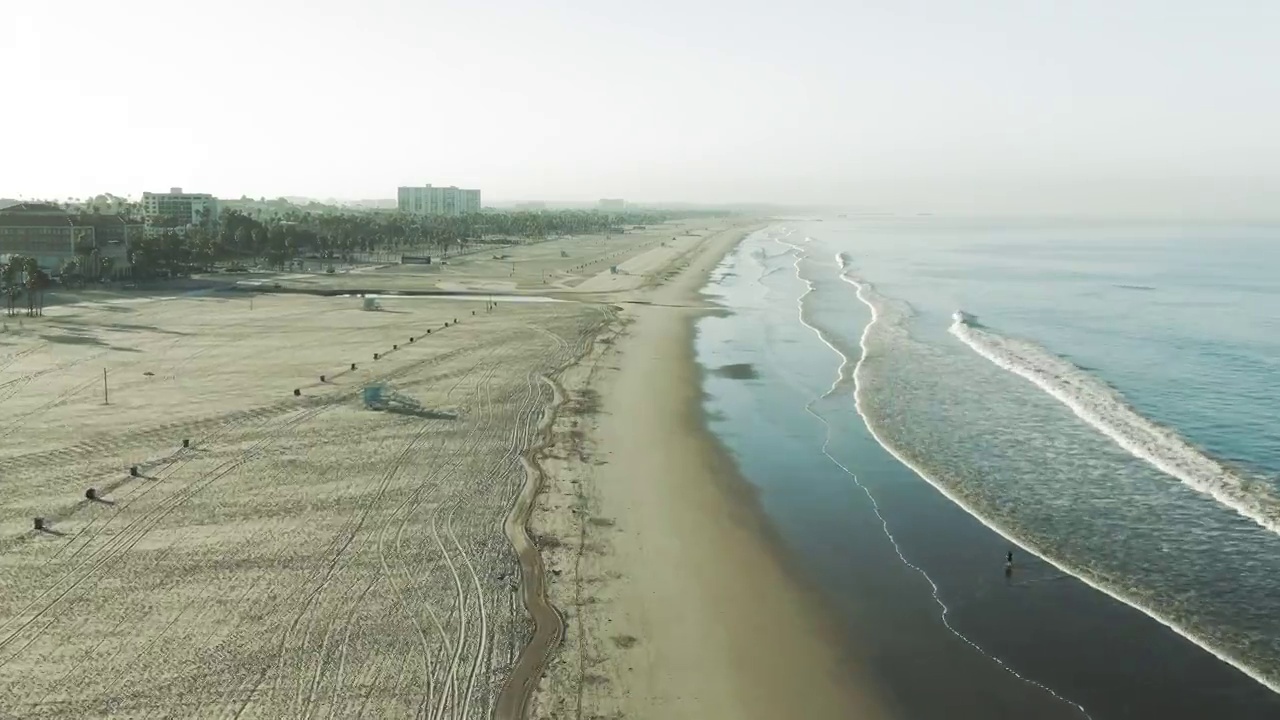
[(310, 557), (305, 556), (560, 266), (676, 604)]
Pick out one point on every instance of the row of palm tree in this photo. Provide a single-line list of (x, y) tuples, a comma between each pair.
[(238, 236), (21, 275)]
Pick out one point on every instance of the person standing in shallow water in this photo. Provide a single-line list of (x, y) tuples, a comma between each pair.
[(1008, 559)]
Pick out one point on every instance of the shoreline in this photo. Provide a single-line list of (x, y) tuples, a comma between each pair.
[(833, 530), (1020, 543), (675, 561)]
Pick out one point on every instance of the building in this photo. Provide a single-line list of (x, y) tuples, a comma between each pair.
[(54, 237), (430, 200), (112, 234), (110, 242), (612, 204), (177, 210), (41, 231)]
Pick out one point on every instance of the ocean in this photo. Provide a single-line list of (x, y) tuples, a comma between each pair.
[(1100, 407)]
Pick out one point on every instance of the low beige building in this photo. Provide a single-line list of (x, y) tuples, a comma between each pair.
[(54, 237)]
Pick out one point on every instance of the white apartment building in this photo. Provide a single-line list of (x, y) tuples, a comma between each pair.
[(612, 204), (430, 200), (176, 209)]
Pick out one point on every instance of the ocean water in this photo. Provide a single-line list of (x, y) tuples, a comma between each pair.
[(1106, 403)]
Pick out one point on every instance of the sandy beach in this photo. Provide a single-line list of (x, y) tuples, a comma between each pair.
[(304, 555), (675, 602), (226, 528)]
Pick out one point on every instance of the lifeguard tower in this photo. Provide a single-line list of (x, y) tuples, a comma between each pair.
[(379, 396)]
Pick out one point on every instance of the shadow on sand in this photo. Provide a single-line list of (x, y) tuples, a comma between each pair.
[(76, 326), (71, 339), (422, 413)]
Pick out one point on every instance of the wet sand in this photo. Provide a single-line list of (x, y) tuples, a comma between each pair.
[(677, 604)]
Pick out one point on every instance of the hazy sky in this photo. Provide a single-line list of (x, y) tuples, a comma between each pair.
[(1077, 105)]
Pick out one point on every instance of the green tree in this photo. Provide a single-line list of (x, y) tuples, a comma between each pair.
[(11, 273), (31, 269), (202, 246), (73, 271)]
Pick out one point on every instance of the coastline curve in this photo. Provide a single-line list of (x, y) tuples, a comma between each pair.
[(862, 289)]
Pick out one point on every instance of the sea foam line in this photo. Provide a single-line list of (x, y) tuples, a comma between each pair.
[(1107, 412), (875, 506), (1026, 545)]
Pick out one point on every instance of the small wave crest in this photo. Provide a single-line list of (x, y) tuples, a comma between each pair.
[(881, 331), (1106, 410)]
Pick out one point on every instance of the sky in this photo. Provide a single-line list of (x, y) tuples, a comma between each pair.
[(1018, 106)]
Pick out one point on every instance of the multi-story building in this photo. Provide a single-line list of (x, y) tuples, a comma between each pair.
[(430, 200), (177, 210), (613, 204), (54, 237)]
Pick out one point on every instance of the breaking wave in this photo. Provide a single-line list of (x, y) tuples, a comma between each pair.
[(1106, 410), (1093, 401)]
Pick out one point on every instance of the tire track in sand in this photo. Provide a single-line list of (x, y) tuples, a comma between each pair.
[(516, 695), (130, 535), (464, 449), (522, 430), (548, 623), (463, 700), (485, 419), (334, 567), (246, 692), (407, 507)]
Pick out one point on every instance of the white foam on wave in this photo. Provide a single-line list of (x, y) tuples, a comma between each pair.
[(1103, 408), (845, 261), (863, 294), (763, 258)]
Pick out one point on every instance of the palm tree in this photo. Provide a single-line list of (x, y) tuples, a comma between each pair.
[(73, 271), (31, 268), (10, 275)]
